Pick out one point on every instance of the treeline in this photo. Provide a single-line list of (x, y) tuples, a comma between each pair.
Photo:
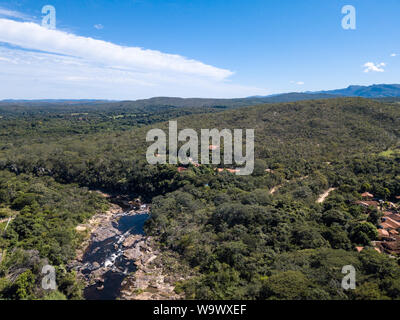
[(239, 239), (245, 243), (43, 216), (292, 139)]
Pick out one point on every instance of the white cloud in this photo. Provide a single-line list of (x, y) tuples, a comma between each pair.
[(299, 83), (33, 36), (43, 63), (393, 55), (5, 59), (38, 75), (98, 26), (11, 14), (372, 67)]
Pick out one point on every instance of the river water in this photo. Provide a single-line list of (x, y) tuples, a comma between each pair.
[(108, 256)]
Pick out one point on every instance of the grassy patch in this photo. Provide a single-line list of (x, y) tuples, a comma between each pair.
[(389, 153)]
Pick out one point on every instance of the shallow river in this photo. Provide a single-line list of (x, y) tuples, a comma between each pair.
[(109, 254)]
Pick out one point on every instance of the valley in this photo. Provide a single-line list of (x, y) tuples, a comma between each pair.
[(117, 259), (191, 159), (209, 234)]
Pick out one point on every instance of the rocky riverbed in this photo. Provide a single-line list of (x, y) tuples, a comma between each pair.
[(118, 261)]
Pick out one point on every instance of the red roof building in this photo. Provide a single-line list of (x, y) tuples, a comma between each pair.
[(393, 216), (383, 233), (367, 195), (229, 170), (367, 203), (392, 222)]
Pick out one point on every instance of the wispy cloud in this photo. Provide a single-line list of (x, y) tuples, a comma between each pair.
[(394, 55), (372, 67), (33, 36), (55, 64), (13, 14), (5, 59), (299, 83), (98, 26)]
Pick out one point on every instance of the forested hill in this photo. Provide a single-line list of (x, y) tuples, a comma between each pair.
[(262, 236), (327, 128), (35, 107), (266, 236), (297, 135), (374, 91)]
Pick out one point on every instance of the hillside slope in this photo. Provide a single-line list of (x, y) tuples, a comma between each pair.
[(262, 236), (374, 91), (297, 134)]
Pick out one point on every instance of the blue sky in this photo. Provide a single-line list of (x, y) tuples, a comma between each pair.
[(221, 48)]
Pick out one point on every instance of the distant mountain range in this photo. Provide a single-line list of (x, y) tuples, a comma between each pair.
[(56, 101), (377, 91), (374, 91)]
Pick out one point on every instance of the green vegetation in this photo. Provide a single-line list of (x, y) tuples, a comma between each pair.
[(42, 232), (240, 241), (390, 153)]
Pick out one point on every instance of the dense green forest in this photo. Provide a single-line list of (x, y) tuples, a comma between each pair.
[(22, 107), (42, 232), (262, 236)]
